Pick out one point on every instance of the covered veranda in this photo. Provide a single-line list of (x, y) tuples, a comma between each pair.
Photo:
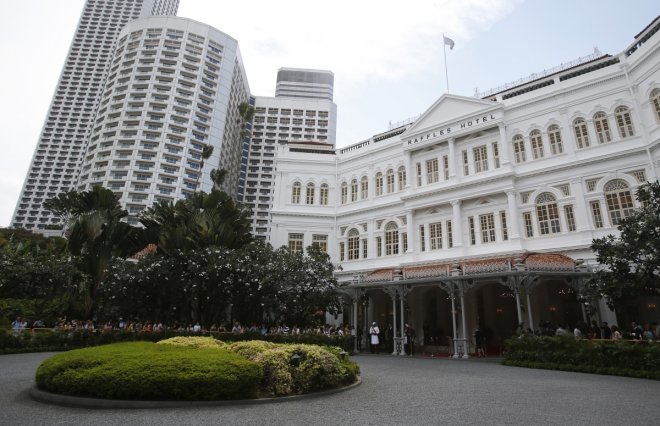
[(446, 302)]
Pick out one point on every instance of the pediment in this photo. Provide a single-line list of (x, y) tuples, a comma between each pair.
[(450, 109)]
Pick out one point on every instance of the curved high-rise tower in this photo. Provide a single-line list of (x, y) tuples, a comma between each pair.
[(67, 126), (174, 86)]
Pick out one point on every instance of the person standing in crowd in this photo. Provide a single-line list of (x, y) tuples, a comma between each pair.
[(409, 341), (374, 341), (479, 341), (605, 331), (637, 331), (616, 334)]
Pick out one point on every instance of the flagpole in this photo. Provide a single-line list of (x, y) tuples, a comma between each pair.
[(444, 51)]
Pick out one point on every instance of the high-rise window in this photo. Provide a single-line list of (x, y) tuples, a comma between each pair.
[(365, 248), (450, 238), (445, 166), (473, 235), (581, 135), (537, 144), (295, 193), (529, 226), (391, 239), (619, 200), (364, 187), (432, 170), (353, 244), (309, 196), (390, 181), (547, 214), (295, 242), (354, 190), (655, 100), (505, 227), (466, 163), (570, 218), (596, 214), (418, 167), (554, 135), (323, 194), (320, 241), (422, 242), (602, 127), (519, 149), (487, 227), (480, 155), (344, 193), (379, 183), (401, 177), (496, 155), (435, 235), (379, 246), (624, 122)]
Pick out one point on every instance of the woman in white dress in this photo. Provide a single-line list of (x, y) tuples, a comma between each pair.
[(374, 331)]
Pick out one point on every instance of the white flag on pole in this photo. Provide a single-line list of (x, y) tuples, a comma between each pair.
[(449, 42)]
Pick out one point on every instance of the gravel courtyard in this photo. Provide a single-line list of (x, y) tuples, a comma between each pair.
[(395, 391)]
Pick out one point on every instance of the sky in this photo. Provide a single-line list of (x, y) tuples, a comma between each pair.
[(387, 55)]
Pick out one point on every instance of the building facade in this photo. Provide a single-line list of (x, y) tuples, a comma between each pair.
[(301, 111), (174, 86), (481, 213), (63, 140)]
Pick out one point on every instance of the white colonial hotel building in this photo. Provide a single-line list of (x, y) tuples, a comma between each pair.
[(482, 211)]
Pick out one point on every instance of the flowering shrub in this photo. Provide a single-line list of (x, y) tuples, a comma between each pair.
[(193, 342)]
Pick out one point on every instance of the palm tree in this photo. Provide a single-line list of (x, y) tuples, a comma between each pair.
[(95, 232), (201, 220)]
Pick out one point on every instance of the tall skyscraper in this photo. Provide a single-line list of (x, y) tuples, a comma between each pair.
[(63, 141), (301, 111), (174, 86)]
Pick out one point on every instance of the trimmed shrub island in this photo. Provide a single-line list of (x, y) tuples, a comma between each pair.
[(195, 369)]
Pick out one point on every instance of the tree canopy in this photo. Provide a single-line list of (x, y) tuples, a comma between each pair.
[(632, 259)]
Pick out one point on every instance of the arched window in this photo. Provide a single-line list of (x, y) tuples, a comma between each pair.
[(323, 194), (547, 214), (602, 127), (402, 177), (295, 193), (619, 200), (581, 134), (624, 122), (537, 144), (554, 135), (379, 183), (353, 244), (364, 187), (391, 238), (344, 193), (390, 181), (519, 149), (309, 196), (354, 190), (655, 99)]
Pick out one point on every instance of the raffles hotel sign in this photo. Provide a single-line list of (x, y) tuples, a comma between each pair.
[(454, 128)]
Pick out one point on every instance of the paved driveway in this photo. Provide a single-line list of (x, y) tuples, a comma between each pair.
[(395, 391)]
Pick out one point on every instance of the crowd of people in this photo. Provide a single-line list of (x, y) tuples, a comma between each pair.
[(648, 332)]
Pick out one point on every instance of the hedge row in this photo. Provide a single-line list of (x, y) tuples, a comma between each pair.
[(620, 358), (60, 340)]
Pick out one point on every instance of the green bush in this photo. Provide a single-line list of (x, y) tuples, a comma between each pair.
[(623, 358), (146, 371), (318, 367), (193, 342)]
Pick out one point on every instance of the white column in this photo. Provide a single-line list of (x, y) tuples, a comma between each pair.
[(410, 172), (520, 319), (456, 224), (512, 216), (452, 158), (401, 296), (529, 310), (355, 323), (394, 321), (581, 210), (427, 238), (465, 337), (504, 146), (453, 323), (411, 232)]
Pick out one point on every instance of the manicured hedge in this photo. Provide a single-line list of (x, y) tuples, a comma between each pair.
[(620, 358), (60, 340), (146, 371)]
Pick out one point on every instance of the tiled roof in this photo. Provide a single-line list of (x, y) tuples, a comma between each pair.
[(549, 262), (379, 275), (427, 271)]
